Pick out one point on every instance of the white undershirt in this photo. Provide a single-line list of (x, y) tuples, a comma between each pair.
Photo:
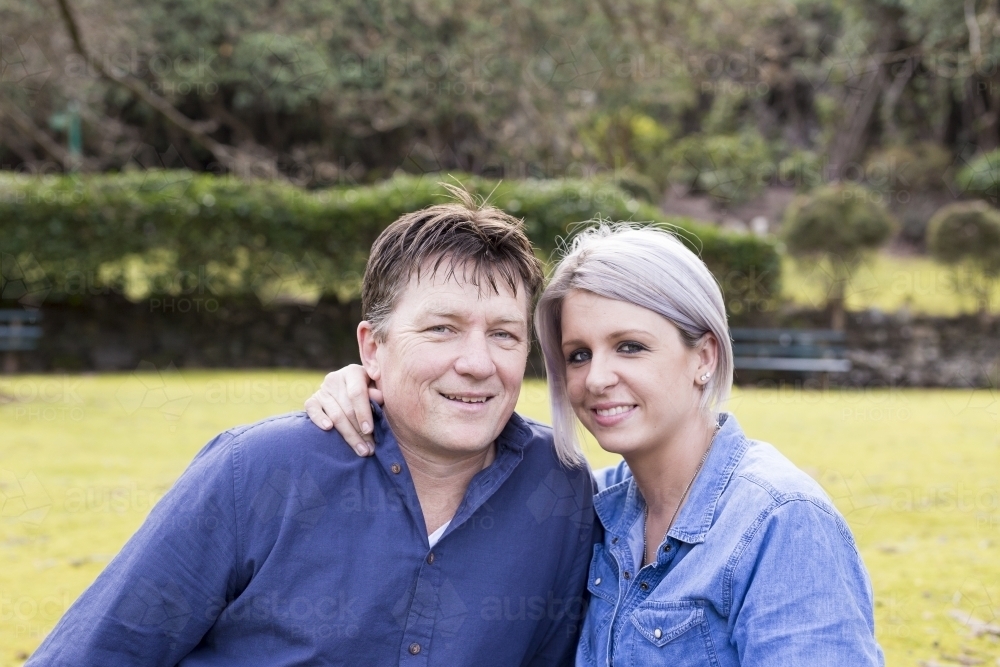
[(436, 535)]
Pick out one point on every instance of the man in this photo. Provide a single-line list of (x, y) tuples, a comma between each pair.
[(462, 541)]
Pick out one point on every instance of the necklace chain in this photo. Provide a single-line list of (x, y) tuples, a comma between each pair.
[(645, 516)]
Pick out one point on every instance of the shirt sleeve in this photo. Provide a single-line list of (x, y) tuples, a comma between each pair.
[(805, 596), (163, 591)]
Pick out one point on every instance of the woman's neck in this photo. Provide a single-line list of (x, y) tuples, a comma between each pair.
[(664, 473)]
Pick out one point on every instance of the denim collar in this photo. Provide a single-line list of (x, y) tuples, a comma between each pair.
[(620, 505)]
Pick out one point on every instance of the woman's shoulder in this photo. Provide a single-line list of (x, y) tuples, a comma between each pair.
[(764, 467), (766, 486)]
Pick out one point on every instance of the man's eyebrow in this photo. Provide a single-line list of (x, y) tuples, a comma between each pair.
[(455, 315), (510, 320)]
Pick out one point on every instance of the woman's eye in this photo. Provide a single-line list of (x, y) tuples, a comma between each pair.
[(578, 356), (631, 347)]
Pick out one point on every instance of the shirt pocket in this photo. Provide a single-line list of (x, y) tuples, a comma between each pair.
[(671, 633)]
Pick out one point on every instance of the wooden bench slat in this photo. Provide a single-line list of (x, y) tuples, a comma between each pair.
[(19, 316), (791, 335), (805, 365), (17, 344), (18, 331), (803, 351)]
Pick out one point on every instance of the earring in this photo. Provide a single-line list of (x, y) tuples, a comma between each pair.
[(704, 378)]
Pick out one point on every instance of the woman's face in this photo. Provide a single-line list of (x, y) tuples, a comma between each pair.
[(631, 379)]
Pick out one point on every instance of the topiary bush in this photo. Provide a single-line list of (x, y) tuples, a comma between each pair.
[(836, 225), (966, 237), (174, 231)]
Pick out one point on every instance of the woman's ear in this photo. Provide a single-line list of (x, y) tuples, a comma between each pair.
[(707, 350), (368, 345)]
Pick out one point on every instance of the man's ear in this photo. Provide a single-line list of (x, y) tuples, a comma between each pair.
[(368, 345)]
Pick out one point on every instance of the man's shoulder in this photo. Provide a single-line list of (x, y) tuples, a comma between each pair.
[(286, 438)]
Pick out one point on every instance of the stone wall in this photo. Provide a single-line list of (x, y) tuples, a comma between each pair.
[(108, 332)]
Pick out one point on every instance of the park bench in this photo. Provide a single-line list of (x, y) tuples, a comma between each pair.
[(18, 333), (797, 350)]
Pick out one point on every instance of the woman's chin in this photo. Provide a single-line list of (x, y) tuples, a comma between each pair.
[(616, 444)]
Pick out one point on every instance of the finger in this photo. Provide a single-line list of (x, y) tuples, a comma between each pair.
[(376, 395), (354, 398), (351, 436), (362, 409), (334, 411), (315, 413)]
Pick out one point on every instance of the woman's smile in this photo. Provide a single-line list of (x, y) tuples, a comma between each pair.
[(610, 414)]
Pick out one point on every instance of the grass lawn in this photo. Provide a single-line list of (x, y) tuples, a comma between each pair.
[(916, 473), (886, 282)]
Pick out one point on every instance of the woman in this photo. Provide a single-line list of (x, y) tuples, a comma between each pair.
[(717, 550)]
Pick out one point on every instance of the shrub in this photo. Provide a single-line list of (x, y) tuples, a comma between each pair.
[(836, 225), (729, 168), (981, 177), (182, 231), (896, 169), (966, 236)]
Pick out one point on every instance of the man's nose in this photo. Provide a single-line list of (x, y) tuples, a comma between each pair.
[(475, 358), (600, 375)]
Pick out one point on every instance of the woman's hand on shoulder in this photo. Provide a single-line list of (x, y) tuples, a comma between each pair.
[(341, 402)]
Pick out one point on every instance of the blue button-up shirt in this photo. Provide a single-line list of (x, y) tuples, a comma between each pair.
[(280, 546), (759, 569)]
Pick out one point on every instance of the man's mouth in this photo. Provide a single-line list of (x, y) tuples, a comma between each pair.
[(466, 398)]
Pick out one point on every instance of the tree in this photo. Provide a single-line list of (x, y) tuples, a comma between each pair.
[(966, 237), (836, 225)]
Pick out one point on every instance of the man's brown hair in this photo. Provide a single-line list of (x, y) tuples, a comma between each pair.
[(479, 241)]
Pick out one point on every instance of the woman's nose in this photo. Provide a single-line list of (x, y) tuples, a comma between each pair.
[(600, 375)]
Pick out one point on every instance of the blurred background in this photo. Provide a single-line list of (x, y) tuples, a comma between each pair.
[(188, 192)]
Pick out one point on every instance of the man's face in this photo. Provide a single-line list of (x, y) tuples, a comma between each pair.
[(451, 364)]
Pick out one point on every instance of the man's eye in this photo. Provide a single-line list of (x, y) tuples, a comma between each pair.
[(440, 328), (506, 335), (578, 356)]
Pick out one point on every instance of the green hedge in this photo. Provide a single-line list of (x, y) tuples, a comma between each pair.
[(195, 231)]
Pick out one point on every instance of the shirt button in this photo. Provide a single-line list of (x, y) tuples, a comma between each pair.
[(430, 558), (597, 582), (657, 633), (666, 547), (628, 575), (644, 586), (614, 540), (414, 648), (396, 468)]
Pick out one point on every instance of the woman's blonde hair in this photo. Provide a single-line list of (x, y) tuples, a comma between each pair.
[(646, 266)]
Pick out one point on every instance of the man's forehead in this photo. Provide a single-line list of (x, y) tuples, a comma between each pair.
[(457, 296)]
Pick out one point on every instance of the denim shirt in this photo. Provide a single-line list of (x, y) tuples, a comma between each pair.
[(279, 546), (759, 569)]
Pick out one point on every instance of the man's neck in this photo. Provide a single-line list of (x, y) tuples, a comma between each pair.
[(441, 480)]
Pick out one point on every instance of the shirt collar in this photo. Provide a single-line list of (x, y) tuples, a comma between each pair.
[(618, 505)]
